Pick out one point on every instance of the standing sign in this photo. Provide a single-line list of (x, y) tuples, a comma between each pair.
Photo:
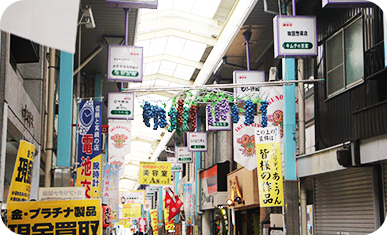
[(183, 155), (197, 141), (119, 143), (125, 63), (155, 173), (295, 36), (222, 125), (110, 190), (244, 77), (270, 177), (89, 148), (20, 187), (55, 217), (120, 105)]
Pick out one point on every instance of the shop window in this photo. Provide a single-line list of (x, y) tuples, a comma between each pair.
[(345, 58)]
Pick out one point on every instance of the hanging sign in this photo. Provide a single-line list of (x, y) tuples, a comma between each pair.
[(183, 155), (125, 63), (155, 173), (171, 159), (119, 143), (89, 148), (120, 105), (244, 77), (197, 141), (110, 190), (151, 4), (147, 205), (347, 3), (133, 197), (55, 217), (270, 179), (222, 125), (20, 187), (131, 211), (176, 167), (61, 193), (295, 36)]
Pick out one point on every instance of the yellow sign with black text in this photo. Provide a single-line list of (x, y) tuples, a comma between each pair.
[(155, 173), (81, 217), (22, 174), (131, 211)]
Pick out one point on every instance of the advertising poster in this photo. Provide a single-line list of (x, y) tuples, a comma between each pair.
[(270, 176), (110, 190), (20, 187), (55, 217), (119, 143), (131, 211), (154, 221), (188, 204), (89, 148), (155, 173), (209, 184), (133, 197)]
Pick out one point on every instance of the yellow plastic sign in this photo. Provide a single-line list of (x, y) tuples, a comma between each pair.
[(131, 211), (155, 173), (55, 217), (22, 175), (270, 177)]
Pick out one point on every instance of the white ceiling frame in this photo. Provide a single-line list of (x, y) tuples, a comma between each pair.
[(168, 78)]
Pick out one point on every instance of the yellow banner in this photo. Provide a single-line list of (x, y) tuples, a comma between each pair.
[(169, 225), (270, 179), (55, 217), (155, 173), (131, 211), (88, 177), (22, 174), (154, 221)]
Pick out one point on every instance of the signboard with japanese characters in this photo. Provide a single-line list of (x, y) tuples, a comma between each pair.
[(131, 211), (55, 217), (125, 63), (89, 148), (346, 3), (142, 224), (177, 166), (20, 187), (197, 141), (61, 193), (133, 197), (245, 77), (155, 173), (222, 125), (119, 140), (183, 155), (154, 221), (120, 105), (295, 36), (110, 190), (270, 176)]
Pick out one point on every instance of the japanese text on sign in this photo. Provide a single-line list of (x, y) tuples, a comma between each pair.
[(270, 179), (155, 173), (55, 217)]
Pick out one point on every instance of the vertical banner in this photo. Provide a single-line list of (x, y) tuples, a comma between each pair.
[(154, 221), (270, 177), (155, 173), (142, 224), (89, 148), (110, 190), (189, 204), (169, 224), (119, 143), (20, 187)]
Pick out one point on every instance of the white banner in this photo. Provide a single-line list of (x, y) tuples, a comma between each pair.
[(46, 22), (119, 143)]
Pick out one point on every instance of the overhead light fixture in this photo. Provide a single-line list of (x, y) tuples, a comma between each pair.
[(230, 202), (87, 18)]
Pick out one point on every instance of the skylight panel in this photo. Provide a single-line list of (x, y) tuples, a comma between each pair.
[(145, 46), (193, 50), (184, 72), (162, 83), (151, 68), (167, 67), (175, 46), (157, 46), (206, 8), (185, 5)]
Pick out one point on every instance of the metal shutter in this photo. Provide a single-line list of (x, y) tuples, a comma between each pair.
[(345, 202)]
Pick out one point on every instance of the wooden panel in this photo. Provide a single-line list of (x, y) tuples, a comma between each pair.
[(248, 183)]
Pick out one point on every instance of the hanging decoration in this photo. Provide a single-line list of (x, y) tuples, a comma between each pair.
[(235, 113), (172, 119), (192, 117), (146, 113), (249, 114), (263, 110)]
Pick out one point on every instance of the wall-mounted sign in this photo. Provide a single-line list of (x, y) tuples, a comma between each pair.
[(120, 105), (222, 125), (61, 193), (295, 36), (151, 4), (245, 77), (197, 141), (183, 155), (177, 166), (125, 63), (346, 3)]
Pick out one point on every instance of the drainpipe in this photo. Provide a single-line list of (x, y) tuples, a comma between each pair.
[(50, 117), (301, 140)]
